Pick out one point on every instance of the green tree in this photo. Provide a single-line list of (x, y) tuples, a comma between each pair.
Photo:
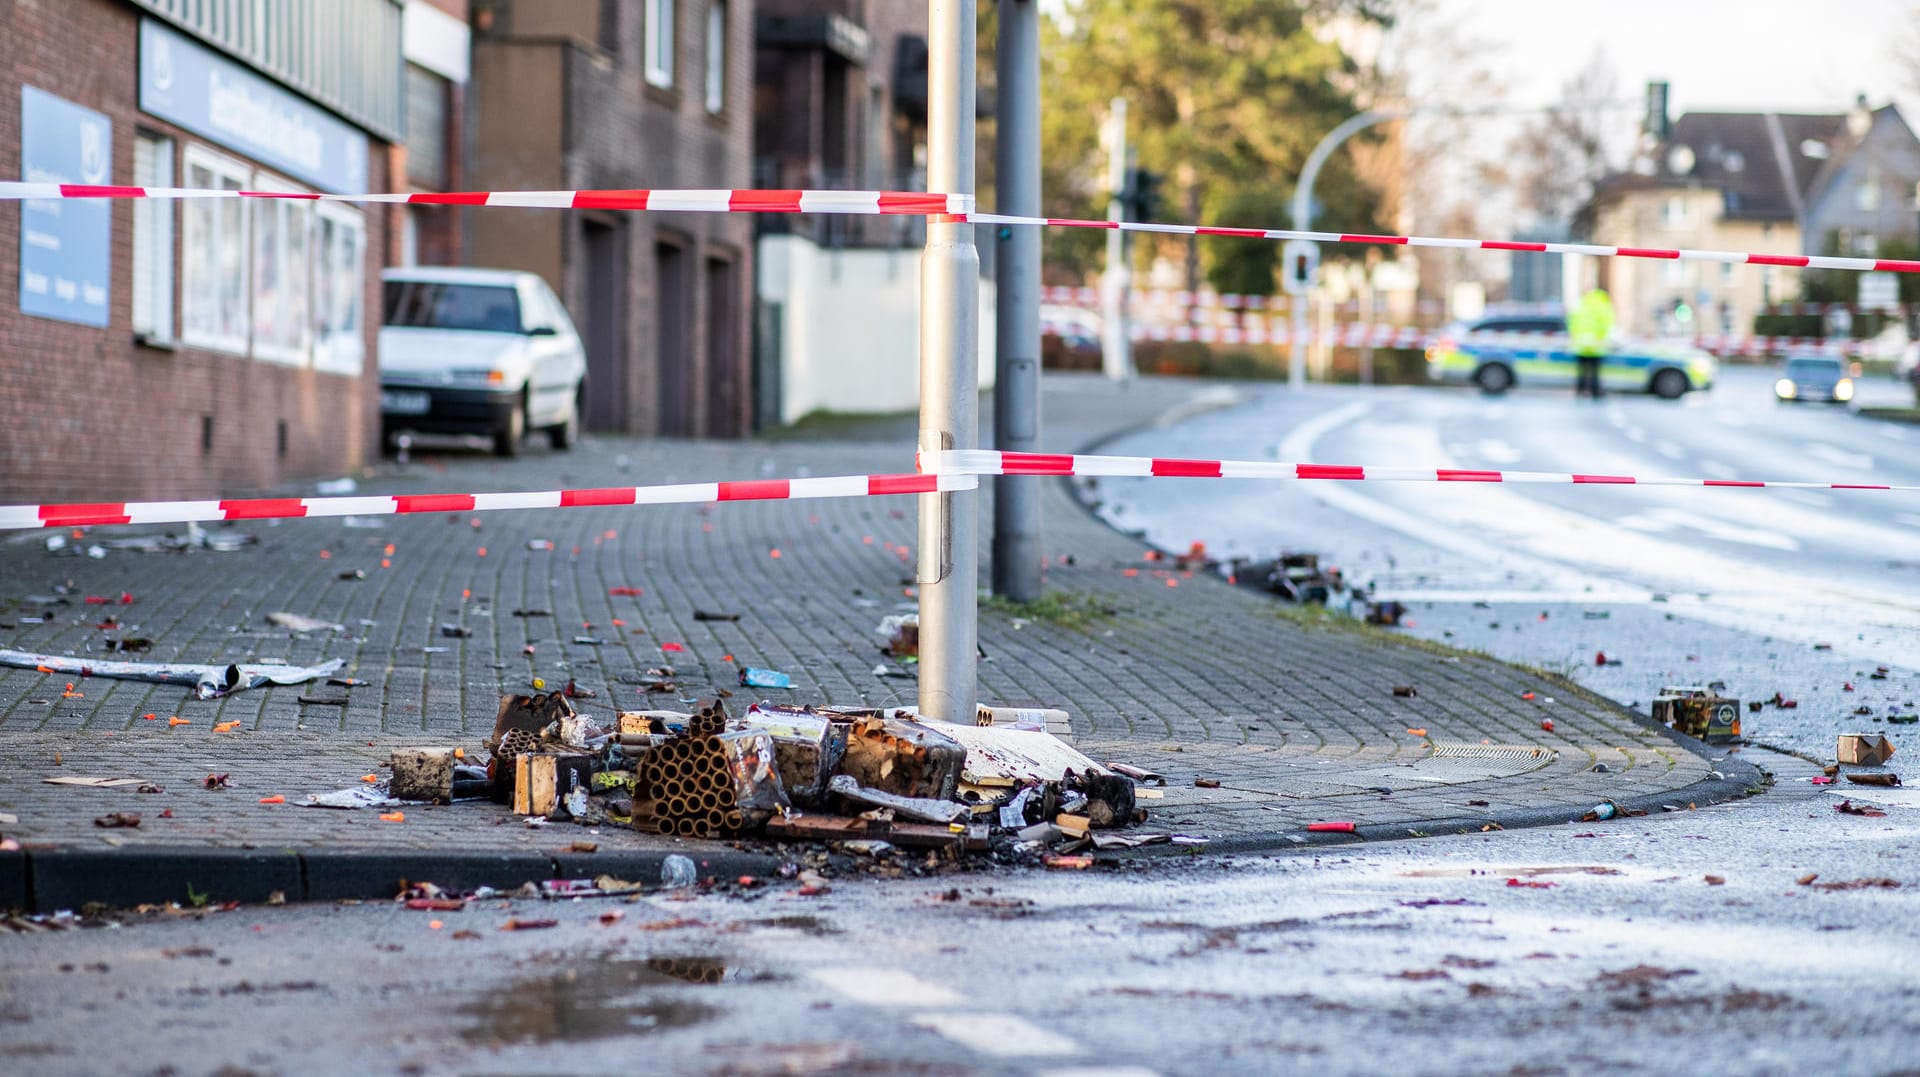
[(1225, 97)]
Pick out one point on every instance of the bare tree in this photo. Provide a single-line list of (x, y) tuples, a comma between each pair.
[(1559, 155)]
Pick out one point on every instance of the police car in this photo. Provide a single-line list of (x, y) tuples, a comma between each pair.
[(1498, 352)]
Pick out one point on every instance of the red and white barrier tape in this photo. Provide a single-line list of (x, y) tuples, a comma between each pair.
[(993, 462), (1798, 261), (918, 203), (924, 203), (692, 493), (1402, 336)]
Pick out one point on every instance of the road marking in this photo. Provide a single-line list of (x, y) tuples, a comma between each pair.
[(1493, 450), (1805, 497), (1717, 470), (1669, 450), (1002, 1034), (1661, 521), (886, 987), (1835, 455)]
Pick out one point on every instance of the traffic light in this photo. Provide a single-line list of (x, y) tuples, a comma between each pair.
[(1300, 260), (1143, 194)]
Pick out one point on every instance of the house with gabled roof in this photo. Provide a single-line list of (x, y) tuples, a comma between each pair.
[(1762, 182)]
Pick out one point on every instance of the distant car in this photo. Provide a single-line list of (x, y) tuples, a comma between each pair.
[(1815, 378), (1500, 351), (478, 351)]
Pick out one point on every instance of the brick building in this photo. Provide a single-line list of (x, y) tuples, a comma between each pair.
[(160, 349), (570, 94)]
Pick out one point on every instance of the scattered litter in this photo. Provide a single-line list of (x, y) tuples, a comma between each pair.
[(393, 817), (1405, 691), (117, 819), (1340, 827), (1714, 880), (217, 781), (1068, 863), (95, 783), (1886, 779), (902, 633), (1138, 774), (275, 799), (1206, 783), (208, 682), (299, 622), (455, 632), (764, 678), (1873, 883), (528, 925), (1531, 884), (354, 797), (533, 613), (1863, 749), (539, 544), (625, 592), (713, 615), (1850, 808)]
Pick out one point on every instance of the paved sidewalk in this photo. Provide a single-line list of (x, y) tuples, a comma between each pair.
[(1294, 716)]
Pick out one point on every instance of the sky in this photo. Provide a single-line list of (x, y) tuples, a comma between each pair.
[(1718, 55)]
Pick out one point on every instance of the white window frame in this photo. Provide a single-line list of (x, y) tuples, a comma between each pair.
[(155, 222), (226, 170), (339, 353), (659, 43), (1676, 213), (296, 216), (716, 56)]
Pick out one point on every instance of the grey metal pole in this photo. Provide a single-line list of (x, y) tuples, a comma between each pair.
[(1017, 553), (1116, 339), (1302, 209), (949, 572)]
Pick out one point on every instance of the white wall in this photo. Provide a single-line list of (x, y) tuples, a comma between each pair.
[(850, 326)]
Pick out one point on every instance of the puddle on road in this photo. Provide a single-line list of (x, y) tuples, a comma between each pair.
[(597, 999), (810, 925), (1464, 873)]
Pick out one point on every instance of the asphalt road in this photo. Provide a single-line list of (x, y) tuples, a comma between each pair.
[(1799, 592), (1675, 943)]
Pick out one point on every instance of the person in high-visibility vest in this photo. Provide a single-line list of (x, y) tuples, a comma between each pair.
[(1589, 325)]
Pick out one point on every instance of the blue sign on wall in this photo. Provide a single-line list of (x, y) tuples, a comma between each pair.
[(190, 84), (65, 244)]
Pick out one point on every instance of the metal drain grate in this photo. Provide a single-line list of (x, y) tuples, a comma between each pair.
[(1453, 763)]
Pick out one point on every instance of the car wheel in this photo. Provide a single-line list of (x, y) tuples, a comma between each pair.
[(566, 434), (1669, 384), (1493, 378), (508, 438)]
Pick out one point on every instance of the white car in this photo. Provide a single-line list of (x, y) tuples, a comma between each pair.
[(478, 351)]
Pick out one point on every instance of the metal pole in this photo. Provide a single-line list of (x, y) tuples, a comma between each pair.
[(1017, 552), (1116, 340), (1302, 209), (949, 572)]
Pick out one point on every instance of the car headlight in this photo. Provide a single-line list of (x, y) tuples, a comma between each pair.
[(1843, 389), (1784, 389)]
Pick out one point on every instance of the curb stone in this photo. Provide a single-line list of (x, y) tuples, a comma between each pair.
[(47, 880)]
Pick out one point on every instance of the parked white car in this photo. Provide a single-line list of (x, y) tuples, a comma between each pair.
[(478, 351)]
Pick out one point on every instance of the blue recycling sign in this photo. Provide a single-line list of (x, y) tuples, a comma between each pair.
[(66, 245)]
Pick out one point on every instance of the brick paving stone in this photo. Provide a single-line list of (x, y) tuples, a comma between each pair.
[(1175, 671)]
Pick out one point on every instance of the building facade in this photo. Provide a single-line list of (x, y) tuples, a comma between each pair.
[(572, 94), (160, 349), (1769, 183)]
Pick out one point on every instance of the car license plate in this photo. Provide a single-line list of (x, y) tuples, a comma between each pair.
[(404, 402)]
